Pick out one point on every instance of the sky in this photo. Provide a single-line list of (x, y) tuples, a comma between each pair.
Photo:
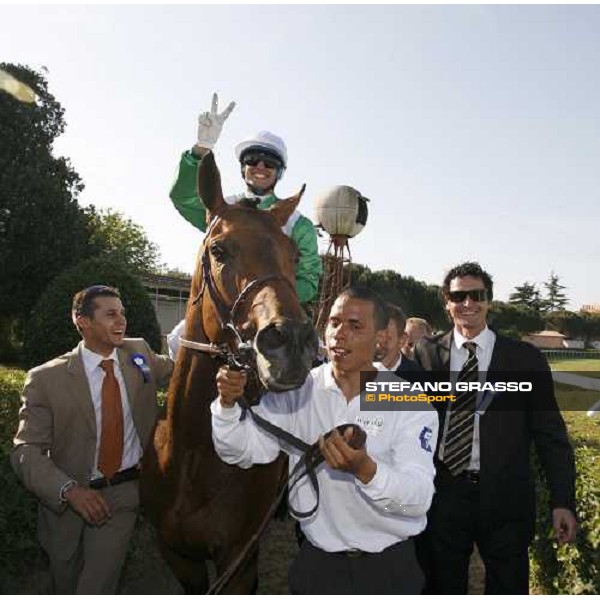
[(474, 130)]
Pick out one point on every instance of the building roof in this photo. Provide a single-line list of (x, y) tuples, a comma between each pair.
[(549, 333)]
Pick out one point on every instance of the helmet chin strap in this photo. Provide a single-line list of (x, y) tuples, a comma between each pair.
[(262, 192)]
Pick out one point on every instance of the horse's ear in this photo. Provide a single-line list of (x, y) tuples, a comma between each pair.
[(283, 209), (209, 184)]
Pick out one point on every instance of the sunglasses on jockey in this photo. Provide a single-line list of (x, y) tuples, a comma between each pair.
[(270, 161)]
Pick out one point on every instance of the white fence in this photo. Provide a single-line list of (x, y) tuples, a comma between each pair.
[(552, 355)]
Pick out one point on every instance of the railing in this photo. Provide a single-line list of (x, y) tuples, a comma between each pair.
[(553, 355)]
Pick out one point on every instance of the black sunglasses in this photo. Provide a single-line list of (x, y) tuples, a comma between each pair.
[(251, 160), (461, 296)]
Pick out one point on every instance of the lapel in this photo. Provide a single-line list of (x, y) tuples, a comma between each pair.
[(79, 387), (499, 356), (443, 351), (130, 375)]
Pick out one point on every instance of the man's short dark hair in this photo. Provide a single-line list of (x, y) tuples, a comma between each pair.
[(380, 313), (468, 269), (83, 301), (397, 315)]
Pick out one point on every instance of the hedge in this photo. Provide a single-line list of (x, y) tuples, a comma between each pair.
[(572, 568), (19, 549), (50, 331)]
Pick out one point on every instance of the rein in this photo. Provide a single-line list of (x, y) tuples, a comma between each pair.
[(306, 467), (242, 357)]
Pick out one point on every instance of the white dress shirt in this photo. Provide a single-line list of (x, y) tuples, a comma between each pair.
[(351, 515), (458, 355), (394, 367), (132, 448)]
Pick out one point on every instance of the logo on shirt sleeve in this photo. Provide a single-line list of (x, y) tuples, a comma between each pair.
[(425, 439)]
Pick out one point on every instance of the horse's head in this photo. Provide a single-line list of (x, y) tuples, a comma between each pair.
[(247, 270)]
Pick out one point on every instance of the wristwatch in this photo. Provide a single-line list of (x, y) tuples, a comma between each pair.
[(65, 488)]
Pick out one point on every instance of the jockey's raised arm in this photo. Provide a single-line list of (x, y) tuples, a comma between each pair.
[(263, 160)]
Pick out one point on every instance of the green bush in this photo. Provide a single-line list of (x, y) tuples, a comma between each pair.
[(18, 518), (573, 568), (50, 331)]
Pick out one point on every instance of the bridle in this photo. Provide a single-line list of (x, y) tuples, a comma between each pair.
[(242, 353)]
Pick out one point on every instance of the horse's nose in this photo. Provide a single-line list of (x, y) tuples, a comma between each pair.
[(291, 337)]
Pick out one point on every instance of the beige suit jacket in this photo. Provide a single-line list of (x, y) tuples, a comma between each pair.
[(56, 438)]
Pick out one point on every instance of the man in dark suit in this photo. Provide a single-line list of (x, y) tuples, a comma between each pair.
[(484, 492), (389, 351), (85, 419)]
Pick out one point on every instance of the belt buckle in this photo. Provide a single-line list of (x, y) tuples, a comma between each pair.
[(354, 553), (472, 476)]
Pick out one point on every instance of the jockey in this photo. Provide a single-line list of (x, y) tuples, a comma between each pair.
[(263, 160)]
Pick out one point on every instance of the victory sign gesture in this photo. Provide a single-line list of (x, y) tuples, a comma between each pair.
[(211, 123)]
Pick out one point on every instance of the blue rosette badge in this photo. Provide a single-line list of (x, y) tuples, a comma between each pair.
[(139, 360)]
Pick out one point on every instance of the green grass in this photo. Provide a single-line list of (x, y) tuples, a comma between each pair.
[(571, 398), (582, 429), (583, 364)]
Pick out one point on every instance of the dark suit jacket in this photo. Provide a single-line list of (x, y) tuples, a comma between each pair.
[(407, 365), (508, 427)]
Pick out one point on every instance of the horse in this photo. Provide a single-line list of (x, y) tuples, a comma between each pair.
[(242, 296)]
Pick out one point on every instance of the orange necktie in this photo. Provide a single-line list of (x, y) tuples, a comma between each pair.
[(111, 437)]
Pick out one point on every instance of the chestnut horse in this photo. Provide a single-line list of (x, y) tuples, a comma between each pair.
[(204, 509)]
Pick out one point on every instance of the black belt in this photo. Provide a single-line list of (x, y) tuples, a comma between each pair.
[(357, 553), (470, 476), (119, 477)]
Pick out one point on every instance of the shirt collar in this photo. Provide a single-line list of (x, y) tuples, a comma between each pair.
[(483, 339), (328, 380), (92, 360)]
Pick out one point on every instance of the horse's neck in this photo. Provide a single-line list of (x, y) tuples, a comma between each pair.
[(193, 387)]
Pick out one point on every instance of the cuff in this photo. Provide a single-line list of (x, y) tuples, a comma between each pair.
[(231, 413), (190, 158), (375, 488)]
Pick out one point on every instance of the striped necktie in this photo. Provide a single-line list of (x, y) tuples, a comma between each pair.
[(459, 437)]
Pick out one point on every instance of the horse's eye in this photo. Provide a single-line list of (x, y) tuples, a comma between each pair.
[(218, 252)]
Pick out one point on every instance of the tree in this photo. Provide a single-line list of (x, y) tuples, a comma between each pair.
[(114, 237), (555, 298), (568, 323), (527, 295), (42, 228), (514, 320), (416, 298), (50, 331)]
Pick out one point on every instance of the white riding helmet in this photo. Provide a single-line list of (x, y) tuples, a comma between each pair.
[(263, 140)]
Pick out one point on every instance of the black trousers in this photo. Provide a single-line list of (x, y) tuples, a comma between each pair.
[(455, 523), (395, 570)]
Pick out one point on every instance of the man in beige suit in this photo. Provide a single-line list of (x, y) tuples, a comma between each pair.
[(84, 474)]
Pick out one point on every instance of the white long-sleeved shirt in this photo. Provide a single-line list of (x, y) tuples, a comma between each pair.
[(351, 515)]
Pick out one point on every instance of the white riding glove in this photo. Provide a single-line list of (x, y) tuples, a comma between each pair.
[(211, 123)]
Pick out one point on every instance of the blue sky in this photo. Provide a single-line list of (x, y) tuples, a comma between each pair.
[(474, 130)]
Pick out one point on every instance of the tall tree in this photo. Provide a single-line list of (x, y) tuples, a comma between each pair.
[(114, 236), (42, 228), (555, 298), (527, 295)]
